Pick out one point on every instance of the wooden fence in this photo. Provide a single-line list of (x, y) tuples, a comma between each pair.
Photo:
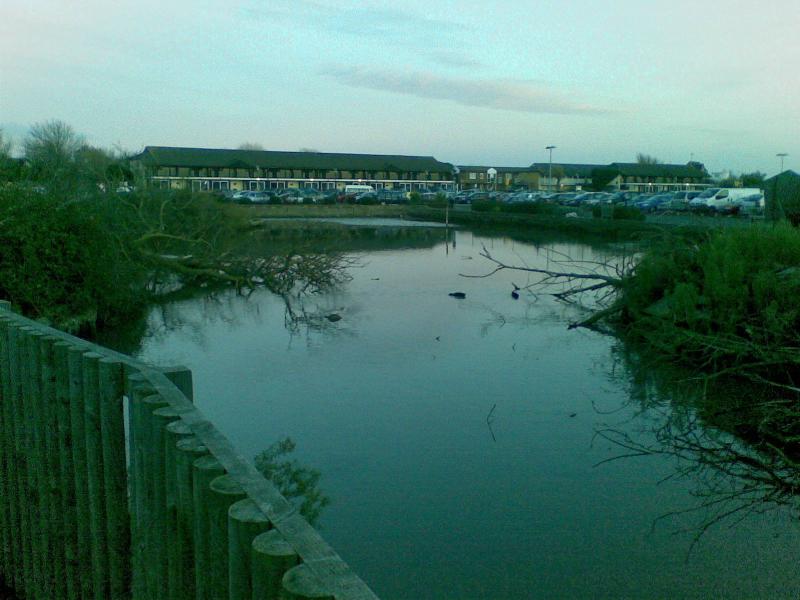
[(113, 485)]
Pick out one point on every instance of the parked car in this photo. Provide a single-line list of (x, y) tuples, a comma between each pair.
[(725, 200), (700, 203), (750, 205)]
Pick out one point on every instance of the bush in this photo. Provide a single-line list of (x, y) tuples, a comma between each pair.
[(731, 297), (62, 261)]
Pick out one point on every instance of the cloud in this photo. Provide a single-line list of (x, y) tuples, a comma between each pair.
[(359, 21), (501, 94), (448, 58)]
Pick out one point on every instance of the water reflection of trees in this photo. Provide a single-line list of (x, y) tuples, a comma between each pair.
[(736, 441)]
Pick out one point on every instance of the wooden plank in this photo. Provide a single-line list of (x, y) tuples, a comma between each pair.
[(188, 450), (173, 433), (225, 490), (204, 470)]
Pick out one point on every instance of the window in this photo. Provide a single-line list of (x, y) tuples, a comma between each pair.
[(472, 175)]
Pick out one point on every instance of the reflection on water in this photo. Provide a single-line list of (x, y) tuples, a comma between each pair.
[(457, 438), (737, 443)]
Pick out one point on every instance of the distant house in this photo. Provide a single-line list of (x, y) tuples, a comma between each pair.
[(506, 178), (565, 176), (782, 197), (638, 177), (222, 169)]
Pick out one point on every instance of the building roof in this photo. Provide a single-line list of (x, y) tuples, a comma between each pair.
[(785, 176), (656, 170), (498, 169), (572, 170), (222, 158)]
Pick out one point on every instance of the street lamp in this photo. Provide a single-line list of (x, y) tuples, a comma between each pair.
[(781, 155), (550, 170)]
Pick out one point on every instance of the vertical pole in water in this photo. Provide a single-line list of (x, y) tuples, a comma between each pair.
[(204, 471), (115, 476), (272, 557), (94, 475), (224, 492), (245, 522)]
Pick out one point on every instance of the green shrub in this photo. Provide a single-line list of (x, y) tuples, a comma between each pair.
[(63, 261), (730, 297)]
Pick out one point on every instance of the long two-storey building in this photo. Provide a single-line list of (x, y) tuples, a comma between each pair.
[(221, 169)]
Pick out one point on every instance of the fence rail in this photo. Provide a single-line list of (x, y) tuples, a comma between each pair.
[(114, 485)]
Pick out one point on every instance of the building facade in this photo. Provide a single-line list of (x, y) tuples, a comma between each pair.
[(496, 178), (637, 177), (205, 169)]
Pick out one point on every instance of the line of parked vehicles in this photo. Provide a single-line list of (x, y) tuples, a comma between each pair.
[(363, 194), (711, 200)]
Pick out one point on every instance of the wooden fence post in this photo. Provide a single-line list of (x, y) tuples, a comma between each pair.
[(94, 475), (173, 433), (51, 470), (138, 390), (36, 487), (300, 583), (272, 557), (81, 475), (224, 492), (150, 455), (189, 450), (12, 553), (66, 477), (245, 522), (111, 387), (204, 471)]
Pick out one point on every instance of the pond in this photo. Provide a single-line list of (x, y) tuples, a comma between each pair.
[(457, 438)]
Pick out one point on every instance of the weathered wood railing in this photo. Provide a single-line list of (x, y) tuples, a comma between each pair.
[(114, 485)]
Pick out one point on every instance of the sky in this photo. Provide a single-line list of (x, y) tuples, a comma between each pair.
[(468, 82)]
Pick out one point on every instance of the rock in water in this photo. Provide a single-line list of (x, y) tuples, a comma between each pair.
[(333, 317), (459, 295), (515, 295)]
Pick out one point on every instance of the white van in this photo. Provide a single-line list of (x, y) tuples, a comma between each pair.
[(354, 190), (726, 199)]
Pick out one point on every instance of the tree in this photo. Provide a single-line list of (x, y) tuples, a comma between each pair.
[(559, 174), (51, 149), (754, 179), (646, 159), (250, 146)]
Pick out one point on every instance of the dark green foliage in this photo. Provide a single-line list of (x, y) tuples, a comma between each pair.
[(729, 299), (60, 261), (295, 482)]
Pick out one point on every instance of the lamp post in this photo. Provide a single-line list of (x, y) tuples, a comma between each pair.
[(781, 155), (550, 170)]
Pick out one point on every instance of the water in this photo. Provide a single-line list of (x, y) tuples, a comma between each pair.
[(456, 438)]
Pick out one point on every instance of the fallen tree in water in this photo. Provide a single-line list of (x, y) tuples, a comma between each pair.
[(99, 258), (721, 302)]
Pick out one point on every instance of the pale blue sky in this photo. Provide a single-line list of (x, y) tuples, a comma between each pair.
[(468, 82)]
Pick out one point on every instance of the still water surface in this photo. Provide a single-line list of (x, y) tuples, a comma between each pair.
[(428, 500)]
